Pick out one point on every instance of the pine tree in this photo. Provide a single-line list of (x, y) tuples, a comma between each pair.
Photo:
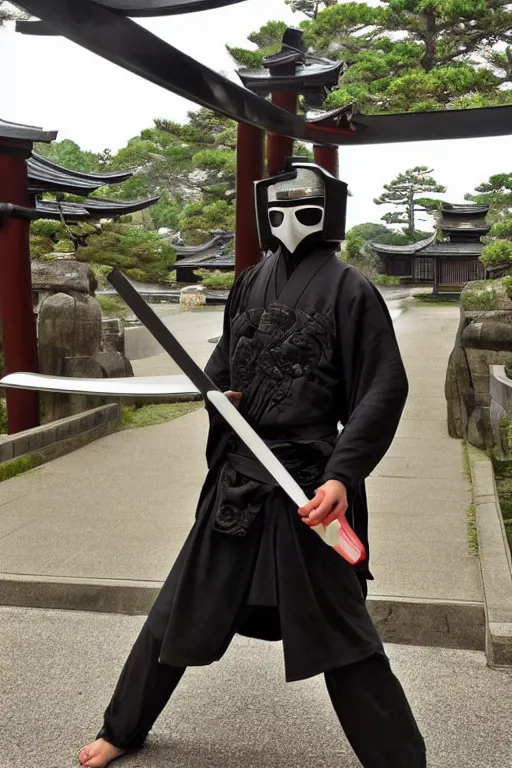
[(8, 12), (497, 194), (406, 55), (404, 192), (310, 8)]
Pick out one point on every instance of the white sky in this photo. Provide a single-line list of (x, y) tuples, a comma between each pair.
[(55, 84)]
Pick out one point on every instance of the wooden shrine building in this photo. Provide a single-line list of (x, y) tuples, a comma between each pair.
[(214, 255), (448, 263)]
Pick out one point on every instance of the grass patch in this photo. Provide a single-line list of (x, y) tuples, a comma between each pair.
[(150, 415), (113, 306), (472, 531), (217, 280), (386, 280), (439, 301), (9, 469), (465, 460), (471, 511), (3, 416)]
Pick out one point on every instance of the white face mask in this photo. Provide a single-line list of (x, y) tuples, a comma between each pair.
[(291, 225)]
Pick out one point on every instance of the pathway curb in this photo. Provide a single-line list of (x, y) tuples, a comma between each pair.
[(406, 621), (495, 560)]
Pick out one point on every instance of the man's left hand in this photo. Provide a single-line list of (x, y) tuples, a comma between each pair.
[(329, 504)]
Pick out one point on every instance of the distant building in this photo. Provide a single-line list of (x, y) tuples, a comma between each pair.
[(448, 264), (212, 255)]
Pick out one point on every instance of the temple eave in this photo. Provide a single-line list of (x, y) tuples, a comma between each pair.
[(303, 80), (94, 208), (19, 132), (108, 177)]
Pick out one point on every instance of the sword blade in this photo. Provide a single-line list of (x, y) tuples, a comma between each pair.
[(338, 534), (159, 330)]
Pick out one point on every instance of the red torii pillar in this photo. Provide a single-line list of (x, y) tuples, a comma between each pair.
[(327, 158), (249, 168), (280, 147), (16, 308)]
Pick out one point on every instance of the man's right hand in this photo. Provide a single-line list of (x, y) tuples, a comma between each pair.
[(234, 397)]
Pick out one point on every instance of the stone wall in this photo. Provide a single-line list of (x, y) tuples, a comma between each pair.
[(484, 338), (71, 338)]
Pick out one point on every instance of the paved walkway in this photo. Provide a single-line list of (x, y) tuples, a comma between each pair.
[(119, 508), (117, 511), (58, 670)]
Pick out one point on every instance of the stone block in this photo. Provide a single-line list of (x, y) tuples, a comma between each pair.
[(63, 275), (6, 450), (484, 339), (114, 365), (495, 561), (35, 440), (499, 644), (69, 326), (56, 406), (434, 623), (193, 296), (20, 445), (479, 429), (112, 339)]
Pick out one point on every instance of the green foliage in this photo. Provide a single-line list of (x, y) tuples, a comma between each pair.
[(221, 281), (41, 246), (189, 165), (407, 55), (479, 296), (129, 248), (69, 154), (497, 194), (497, 253), (507, 284), (150, 415), (198, 220), (386, 280), (268, 40), (310, 8), (10, 12), (432, 298), (64, 246), (3, 408), (100, 272), (357, 251), (48, 228), (9, 469), (403, 192), (113, 306), (167, 212)]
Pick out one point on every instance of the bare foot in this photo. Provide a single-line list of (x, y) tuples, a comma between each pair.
[(99, 754)]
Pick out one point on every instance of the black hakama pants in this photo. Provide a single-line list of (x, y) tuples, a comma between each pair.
[(367, 698), (280, 581)]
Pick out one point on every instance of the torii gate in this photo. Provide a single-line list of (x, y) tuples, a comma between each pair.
[(104, 27)]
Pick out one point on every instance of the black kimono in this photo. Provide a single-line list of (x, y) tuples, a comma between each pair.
[(309, 349)]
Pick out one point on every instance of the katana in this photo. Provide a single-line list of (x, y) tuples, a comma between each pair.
[(338, 534)]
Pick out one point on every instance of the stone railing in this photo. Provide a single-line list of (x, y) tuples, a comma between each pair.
[(484, 339), (501, 405)]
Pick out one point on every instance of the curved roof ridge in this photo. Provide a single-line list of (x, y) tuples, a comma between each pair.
[(110, 177), (408, 248)]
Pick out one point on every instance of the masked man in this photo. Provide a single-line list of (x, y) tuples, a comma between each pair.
[(308, 345)]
